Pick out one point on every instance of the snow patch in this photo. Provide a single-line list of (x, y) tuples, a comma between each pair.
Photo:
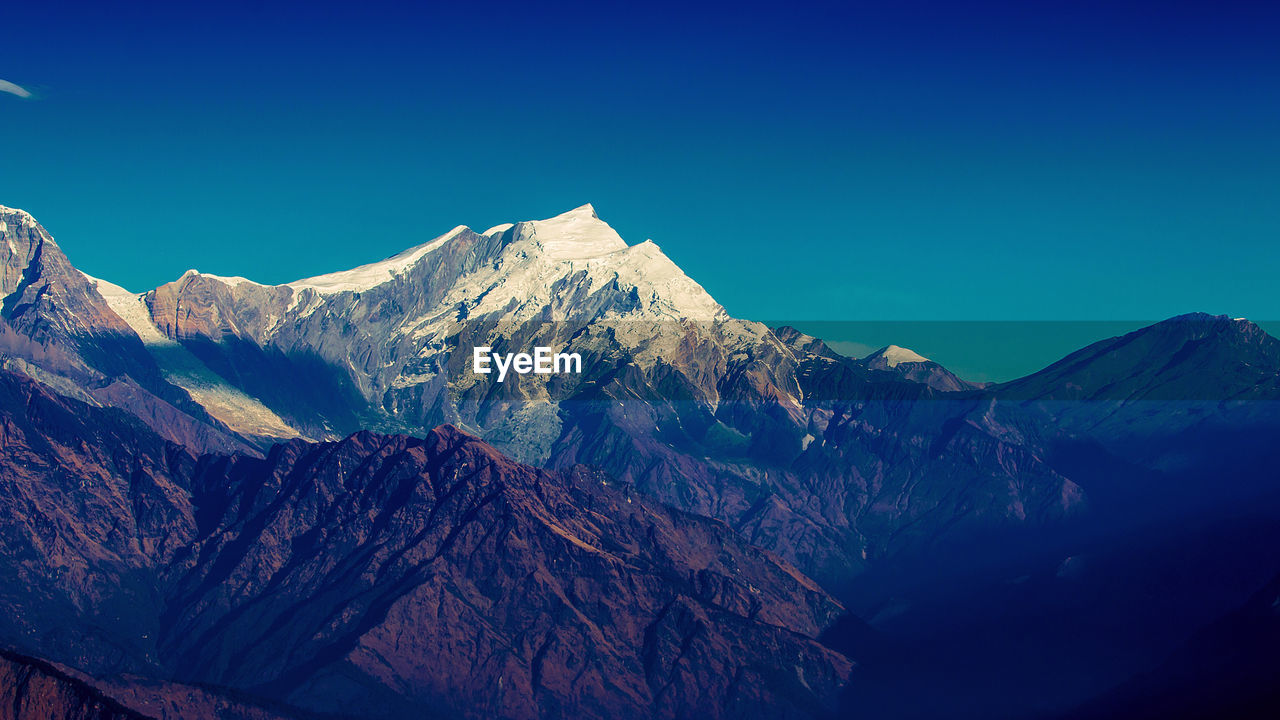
[(132, 308), (232, 406), (233, 280)]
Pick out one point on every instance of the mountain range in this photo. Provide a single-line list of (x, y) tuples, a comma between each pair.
[(299, 499)]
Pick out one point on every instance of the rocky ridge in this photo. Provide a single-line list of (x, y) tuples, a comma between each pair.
[(381, 575)]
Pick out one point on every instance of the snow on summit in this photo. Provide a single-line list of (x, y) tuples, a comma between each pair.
[(540, 268), (576, 235), (393, 324), (894, 355), (537, 254), (578, 243)]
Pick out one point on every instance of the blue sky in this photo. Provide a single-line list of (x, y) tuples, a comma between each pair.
[(863, 161)]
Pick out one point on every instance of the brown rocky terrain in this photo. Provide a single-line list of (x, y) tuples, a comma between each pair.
[(386, 576), (34, 690)]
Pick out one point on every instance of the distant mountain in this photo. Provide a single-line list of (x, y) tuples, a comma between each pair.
[(1169, 432), (1167, 409), (1194, 357), (916, 368)]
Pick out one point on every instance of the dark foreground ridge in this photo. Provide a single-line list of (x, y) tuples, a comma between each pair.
[(32, 689), (388, 576)]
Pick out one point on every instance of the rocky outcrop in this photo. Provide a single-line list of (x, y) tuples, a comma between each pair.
[(405, 572), (58, 328), (93, 504)]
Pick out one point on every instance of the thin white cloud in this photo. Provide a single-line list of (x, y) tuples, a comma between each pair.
[(6, 86)]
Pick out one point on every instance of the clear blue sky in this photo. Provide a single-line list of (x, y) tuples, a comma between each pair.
[(864, 161)]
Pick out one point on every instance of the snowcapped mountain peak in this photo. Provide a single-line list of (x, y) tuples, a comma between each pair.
[(579, 234), (584, 210), (20, 218), (541, 254), (909, 364), (894, 355), (6, 210), (108, 289)]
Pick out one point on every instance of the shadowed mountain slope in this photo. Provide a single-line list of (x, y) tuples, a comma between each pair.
[(386, 575)]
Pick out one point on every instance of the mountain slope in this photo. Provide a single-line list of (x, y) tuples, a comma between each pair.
[(562, 594), (384, 575), (34, 690), (56, 327), (1169, 433), (1185, 358), (1168, 409)]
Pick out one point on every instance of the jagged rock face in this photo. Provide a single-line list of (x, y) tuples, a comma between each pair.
[(873, 475), (904, 469), (832, 462), (93, 504), (695, 408), (34, 690), (399, 573), (436, 569), (395, 337), (56, 327), (43, 294), (46, 299)]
